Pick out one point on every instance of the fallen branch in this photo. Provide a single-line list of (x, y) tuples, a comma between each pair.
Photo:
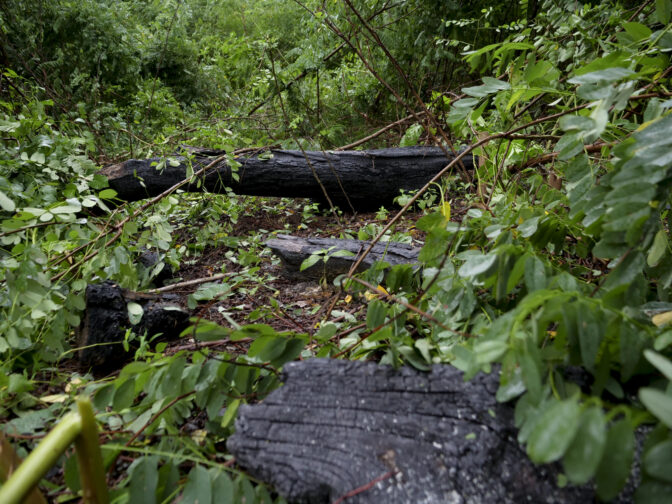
[(361, 180)]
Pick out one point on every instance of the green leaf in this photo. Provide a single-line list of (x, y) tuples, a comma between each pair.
[(658, 403), (198, 489), (411, 136), (653, 492), (661, 363), (554, 432), (637, 31), (267, 348), (222, 486), (107, 194), (206, 330), (585, 451), (124, 395), (490, 86), (477, 264), (658, 461), (490, 351), (230, 413), (310, 261), (658, 249), (614, 468), (173, 377), (6, 203), (135, 312), (535, 274), (611, 74), (375, 314), (663, 10), (143, 481)]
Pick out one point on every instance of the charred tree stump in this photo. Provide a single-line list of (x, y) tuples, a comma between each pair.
[(353, 180), (340, 255), (375, 434), (105, 322)]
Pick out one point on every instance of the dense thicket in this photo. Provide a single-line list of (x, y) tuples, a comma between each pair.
[(557, 256)]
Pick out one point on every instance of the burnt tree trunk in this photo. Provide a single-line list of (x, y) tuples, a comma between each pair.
[(340, 255), (353, 180), (374, 434), (105, 321)]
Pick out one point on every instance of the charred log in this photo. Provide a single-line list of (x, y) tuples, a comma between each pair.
[(105, 321), (375, 434), (353, 180), (337, 256)]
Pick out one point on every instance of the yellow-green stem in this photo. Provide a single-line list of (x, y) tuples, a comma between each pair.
[(90, 459), (41, 459)]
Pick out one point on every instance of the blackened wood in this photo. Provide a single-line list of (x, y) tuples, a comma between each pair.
[(337, 426), (353, 180), (293, 250), (105, 321)]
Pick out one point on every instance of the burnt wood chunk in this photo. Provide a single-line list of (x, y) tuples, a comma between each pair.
[(353, 180), (340, 254), (376, 434), (105, 321)]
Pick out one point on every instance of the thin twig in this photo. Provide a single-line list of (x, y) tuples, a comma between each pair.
[(189, 283), (365, 487)]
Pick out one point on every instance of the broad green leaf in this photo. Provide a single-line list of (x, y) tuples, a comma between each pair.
[(658, 461), (173, 376), (658, 249), (168, 480), (614, 468), (661, 363), (310, 261), (267, 348), (205, 330), (375, 314), (222, 486), (658, 403), (535, 274), (230, 412), (663, 11), (663, 341), (411, 136), (613, 59), (585, 451), (107, 194), (591, 330), (211, 290), (510, 386), (490, 351), (65, 209), (124, 395), (554, 432), (477, 264), (6, 203), (489, 86), (342, 253), (291, 351), (611, 74), (143, 481), (198, 489), (529, 227), (637, 31), (135, 312), (531, 376), (653, 492)]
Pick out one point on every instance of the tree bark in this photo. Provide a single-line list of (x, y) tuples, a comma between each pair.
[(373, 434), (105, 321), (293, 250), (352, 180)]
